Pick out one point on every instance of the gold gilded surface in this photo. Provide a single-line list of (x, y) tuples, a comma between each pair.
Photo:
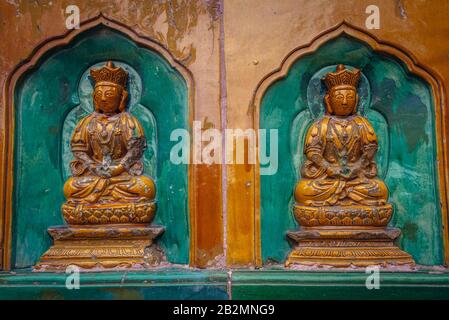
[(340, 147), (340, 188), (346, 247), (109, 213), (102, 247), (378, 216)]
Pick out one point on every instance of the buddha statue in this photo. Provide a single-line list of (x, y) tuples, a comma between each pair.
[(110, 203), (340, 202), (108, 146), (340, 149)]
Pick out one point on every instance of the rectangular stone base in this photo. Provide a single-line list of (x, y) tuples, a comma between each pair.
[(345, 247), (101, 247)]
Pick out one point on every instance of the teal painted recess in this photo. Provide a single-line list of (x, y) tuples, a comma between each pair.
[(44, 98)]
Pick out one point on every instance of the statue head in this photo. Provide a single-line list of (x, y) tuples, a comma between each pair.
[(110, 93), (341, 98)]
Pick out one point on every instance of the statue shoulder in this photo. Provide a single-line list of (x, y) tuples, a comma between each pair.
[(84, 122), (314, 129), (80, 141), (367, 127), (132, 123), (129, 120), (318, 126), (362, 121), (316, 135)]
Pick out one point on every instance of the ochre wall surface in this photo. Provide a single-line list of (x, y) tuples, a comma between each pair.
[(258, 35)]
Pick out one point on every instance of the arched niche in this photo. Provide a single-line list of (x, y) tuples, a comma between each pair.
[(404, 108), (48, 97)]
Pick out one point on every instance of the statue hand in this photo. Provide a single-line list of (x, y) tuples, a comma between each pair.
[(333, 171), (99, 171), (116, 170), (353, 171)]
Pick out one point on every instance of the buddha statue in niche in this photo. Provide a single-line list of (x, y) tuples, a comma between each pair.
[(108, 146), (340, 149), (110, 203), (340, 203)]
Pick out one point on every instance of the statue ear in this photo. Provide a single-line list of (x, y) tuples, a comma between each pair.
[(93, 100), (122, 106), (356, 103), (328, 104)]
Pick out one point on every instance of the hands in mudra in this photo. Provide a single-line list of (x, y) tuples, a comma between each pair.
[(106, 171)]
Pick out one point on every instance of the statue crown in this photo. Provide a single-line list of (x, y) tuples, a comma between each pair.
[(110, 73), (342, 77)]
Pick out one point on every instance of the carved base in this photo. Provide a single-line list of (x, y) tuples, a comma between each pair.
[(102, 247), (345, 247), (354, 215), (109, 213)]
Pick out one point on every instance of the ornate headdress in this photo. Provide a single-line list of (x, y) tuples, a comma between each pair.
[(342, 77), (110, 74)]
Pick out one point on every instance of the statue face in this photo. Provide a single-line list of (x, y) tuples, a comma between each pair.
[(107, 98), (343, 101)]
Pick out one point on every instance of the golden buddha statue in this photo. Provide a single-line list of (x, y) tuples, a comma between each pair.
[(340, 149), (341, 204), (108, 146), (110, 203)]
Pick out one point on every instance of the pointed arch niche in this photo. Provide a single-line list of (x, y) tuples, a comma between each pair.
[(406, 106), (42, 96)]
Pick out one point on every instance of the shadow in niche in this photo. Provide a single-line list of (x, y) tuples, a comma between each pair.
[(52, 97), (400, 107)]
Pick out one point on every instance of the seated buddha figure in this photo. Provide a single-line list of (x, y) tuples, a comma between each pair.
[(107, 185), (340, 149), (341, 205)]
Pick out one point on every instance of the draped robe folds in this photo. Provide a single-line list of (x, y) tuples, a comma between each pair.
[(108, 141), (345, 144)]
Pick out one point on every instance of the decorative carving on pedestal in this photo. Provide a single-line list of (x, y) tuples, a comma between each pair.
[(341, 204), (110, 203)]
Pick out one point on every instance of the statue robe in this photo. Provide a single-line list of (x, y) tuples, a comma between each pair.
[(108, 141), (344, 144)]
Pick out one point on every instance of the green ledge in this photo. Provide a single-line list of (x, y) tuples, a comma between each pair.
[(193, 284), (162, 284), (308, 285)]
